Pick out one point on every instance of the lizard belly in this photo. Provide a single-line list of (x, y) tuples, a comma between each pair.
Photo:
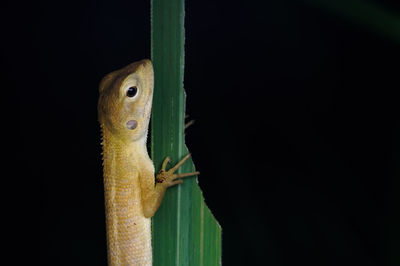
[(128, 231)]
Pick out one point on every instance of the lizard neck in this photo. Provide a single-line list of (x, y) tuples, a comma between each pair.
[(124, 155)]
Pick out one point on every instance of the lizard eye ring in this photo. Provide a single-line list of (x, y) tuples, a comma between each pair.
[(132, 91)]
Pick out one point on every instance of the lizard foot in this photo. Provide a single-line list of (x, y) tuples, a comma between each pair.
[(168, 177)]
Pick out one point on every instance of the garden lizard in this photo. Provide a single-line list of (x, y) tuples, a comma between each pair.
[(132, 194)]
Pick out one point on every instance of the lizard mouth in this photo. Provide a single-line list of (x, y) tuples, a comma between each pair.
[(131, 124)]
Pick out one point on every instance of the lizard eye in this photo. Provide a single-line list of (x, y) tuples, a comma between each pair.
[(132, 91)]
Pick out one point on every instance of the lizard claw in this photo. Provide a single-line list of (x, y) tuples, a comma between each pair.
[(188, 124)]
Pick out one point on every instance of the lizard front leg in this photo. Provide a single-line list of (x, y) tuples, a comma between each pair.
[(164, 179)]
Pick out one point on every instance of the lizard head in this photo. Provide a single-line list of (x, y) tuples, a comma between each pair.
[(125, 100)]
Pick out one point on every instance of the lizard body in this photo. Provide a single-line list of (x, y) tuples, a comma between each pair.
[(131, 194)]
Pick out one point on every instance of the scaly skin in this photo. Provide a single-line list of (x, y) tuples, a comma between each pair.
[(131, 194)]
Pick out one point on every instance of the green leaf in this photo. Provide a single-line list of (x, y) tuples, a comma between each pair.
[(184, 230)]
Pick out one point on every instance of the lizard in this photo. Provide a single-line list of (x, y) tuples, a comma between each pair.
[(132, 193)]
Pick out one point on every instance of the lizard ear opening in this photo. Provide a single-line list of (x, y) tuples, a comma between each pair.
[(131, 124)]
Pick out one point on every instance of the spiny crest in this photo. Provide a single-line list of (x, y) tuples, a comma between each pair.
[(102, 143)]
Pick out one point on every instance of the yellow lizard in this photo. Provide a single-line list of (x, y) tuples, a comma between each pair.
[(131, 194)]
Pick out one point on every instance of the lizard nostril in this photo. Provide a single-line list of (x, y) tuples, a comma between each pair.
[(131, 124)]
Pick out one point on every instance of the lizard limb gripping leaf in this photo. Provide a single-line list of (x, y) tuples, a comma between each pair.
[(132, 194)]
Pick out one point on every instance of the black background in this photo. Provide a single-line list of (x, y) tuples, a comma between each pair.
[(296, 133)]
